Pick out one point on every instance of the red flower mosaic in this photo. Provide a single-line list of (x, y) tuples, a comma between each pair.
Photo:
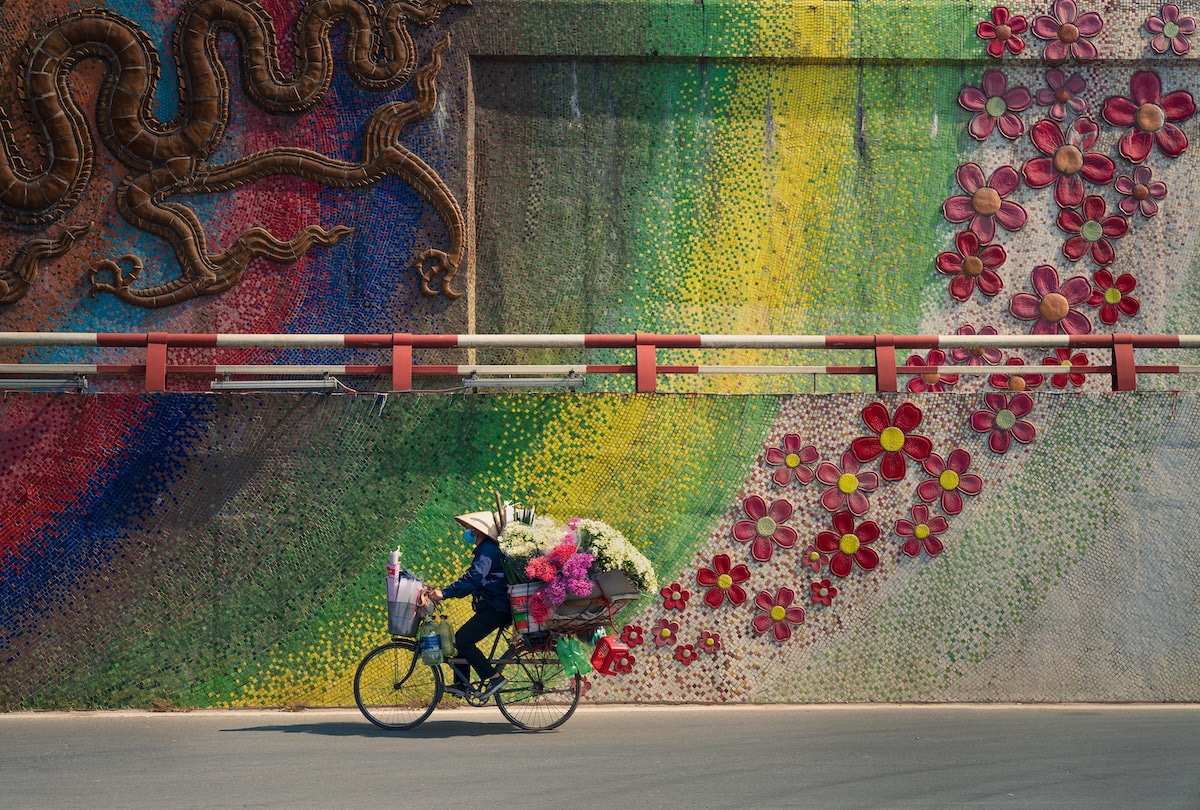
[(931, 381), (984, 205), (1052, 307), (633, 635), (972, 264), (1152, 118), (995, 107), (1002, 420), (1002, 32), (1063, 357), (848, 485), (1016, 382), (709, 642), (848, 544), (823, 592), (1141, 193), (1113, 296), (950, 480), (686, 654), (814, 560), (723, 581), (1171, 30), (1066, 160), (1091, 231), (665, 632), (979, 355), (894, 439), (921, 532), (778, 615), (624, 664), (675, 596), (1061, 94), (764, 530), (1070, 33), (793, 460)]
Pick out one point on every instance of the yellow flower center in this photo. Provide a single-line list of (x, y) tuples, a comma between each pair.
[(724, 581), (665, 632), (847, 483), (777, 613), (823, 592), (814, 556), (791, 460), (708, 642), (892, 439), (848, 544), (1112, 295), (765, 526), (921, 531), (948, 480)]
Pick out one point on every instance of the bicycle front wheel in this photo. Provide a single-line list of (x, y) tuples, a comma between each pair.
[(394, 689), (539, 695)]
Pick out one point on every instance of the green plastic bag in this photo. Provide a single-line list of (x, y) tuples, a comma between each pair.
[(574, 659)]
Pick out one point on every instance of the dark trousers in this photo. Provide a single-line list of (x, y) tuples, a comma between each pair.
[(477, 628)]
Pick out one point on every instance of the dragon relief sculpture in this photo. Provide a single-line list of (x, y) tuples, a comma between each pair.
[(170, 158)]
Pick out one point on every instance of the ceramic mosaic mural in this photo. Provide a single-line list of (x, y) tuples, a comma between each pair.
[(228, 166)]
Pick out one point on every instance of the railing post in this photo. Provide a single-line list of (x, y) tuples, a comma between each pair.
[(885, 363), (402, 366), (646, 360), (1124, 373), (156, 361)]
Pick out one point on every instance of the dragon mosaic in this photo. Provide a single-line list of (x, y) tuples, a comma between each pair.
[(167, 159)]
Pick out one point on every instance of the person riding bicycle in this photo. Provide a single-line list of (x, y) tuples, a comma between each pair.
[(485, 582)]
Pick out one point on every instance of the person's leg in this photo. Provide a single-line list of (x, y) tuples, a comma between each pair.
[(477, 628)]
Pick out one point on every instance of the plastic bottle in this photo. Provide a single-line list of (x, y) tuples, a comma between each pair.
[(429, 643), (446, 633)]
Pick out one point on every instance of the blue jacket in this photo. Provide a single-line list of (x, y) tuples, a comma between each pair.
[(485, 580)]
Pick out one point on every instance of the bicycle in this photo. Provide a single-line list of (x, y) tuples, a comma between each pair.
[(397, 691)]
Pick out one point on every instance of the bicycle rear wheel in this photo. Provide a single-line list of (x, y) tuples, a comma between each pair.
[(539, 695), (394, 689)]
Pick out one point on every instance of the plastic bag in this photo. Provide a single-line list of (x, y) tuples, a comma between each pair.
[(575, 660)]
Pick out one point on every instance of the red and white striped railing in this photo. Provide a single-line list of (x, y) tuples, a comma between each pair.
[(645, 347)]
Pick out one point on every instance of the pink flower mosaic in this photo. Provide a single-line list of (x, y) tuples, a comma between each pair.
[(1113, 297), (1002, 419), (1002, 32), (1067, 160), (1051, 306), (950, 481), (778, 615), (764, 529), (995, 106), (893, 439), (814, 560), (709, 642), (1092, 231), (848, 485), (972, 264), (1063, 358), (930, 381), (978, 355), (823, 592), (1016, 381), (921, 532), (665, 632), (1171, 30), (1070, 33), (686, 654), (794, 460), (984, 205), (675, 596), (848, 544), (1141, 193), (633, 635), (1062, 94), (1152, 118), (724, 581)]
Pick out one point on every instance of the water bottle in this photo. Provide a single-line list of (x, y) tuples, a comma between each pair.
[(446, 634), (429, 643)]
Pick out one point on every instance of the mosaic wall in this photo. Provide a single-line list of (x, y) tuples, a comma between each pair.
[(738, 167)]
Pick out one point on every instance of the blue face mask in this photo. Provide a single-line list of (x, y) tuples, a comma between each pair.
[(469, 535)]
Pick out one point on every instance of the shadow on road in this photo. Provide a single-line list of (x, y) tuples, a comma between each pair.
[(429, 730)]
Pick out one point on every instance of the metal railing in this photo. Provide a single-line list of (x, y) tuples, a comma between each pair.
[(645, 366)]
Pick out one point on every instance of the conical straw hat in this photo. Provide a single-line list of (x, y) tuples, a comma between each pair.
[(484, 522)]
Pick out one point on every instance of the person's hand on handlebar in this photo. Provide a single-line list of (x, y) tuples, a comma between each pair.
[(433, 595)]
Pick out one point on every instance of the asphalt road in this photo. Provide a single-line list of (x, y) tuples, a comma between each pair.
[(1086, 756)]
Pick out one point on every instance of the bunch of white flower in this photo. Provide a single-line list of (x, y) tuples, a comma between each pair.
[(521, 542), (614, 552)]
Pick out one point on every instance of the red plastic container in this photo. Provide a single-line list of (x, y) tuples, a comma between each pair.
[(608, 651)]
